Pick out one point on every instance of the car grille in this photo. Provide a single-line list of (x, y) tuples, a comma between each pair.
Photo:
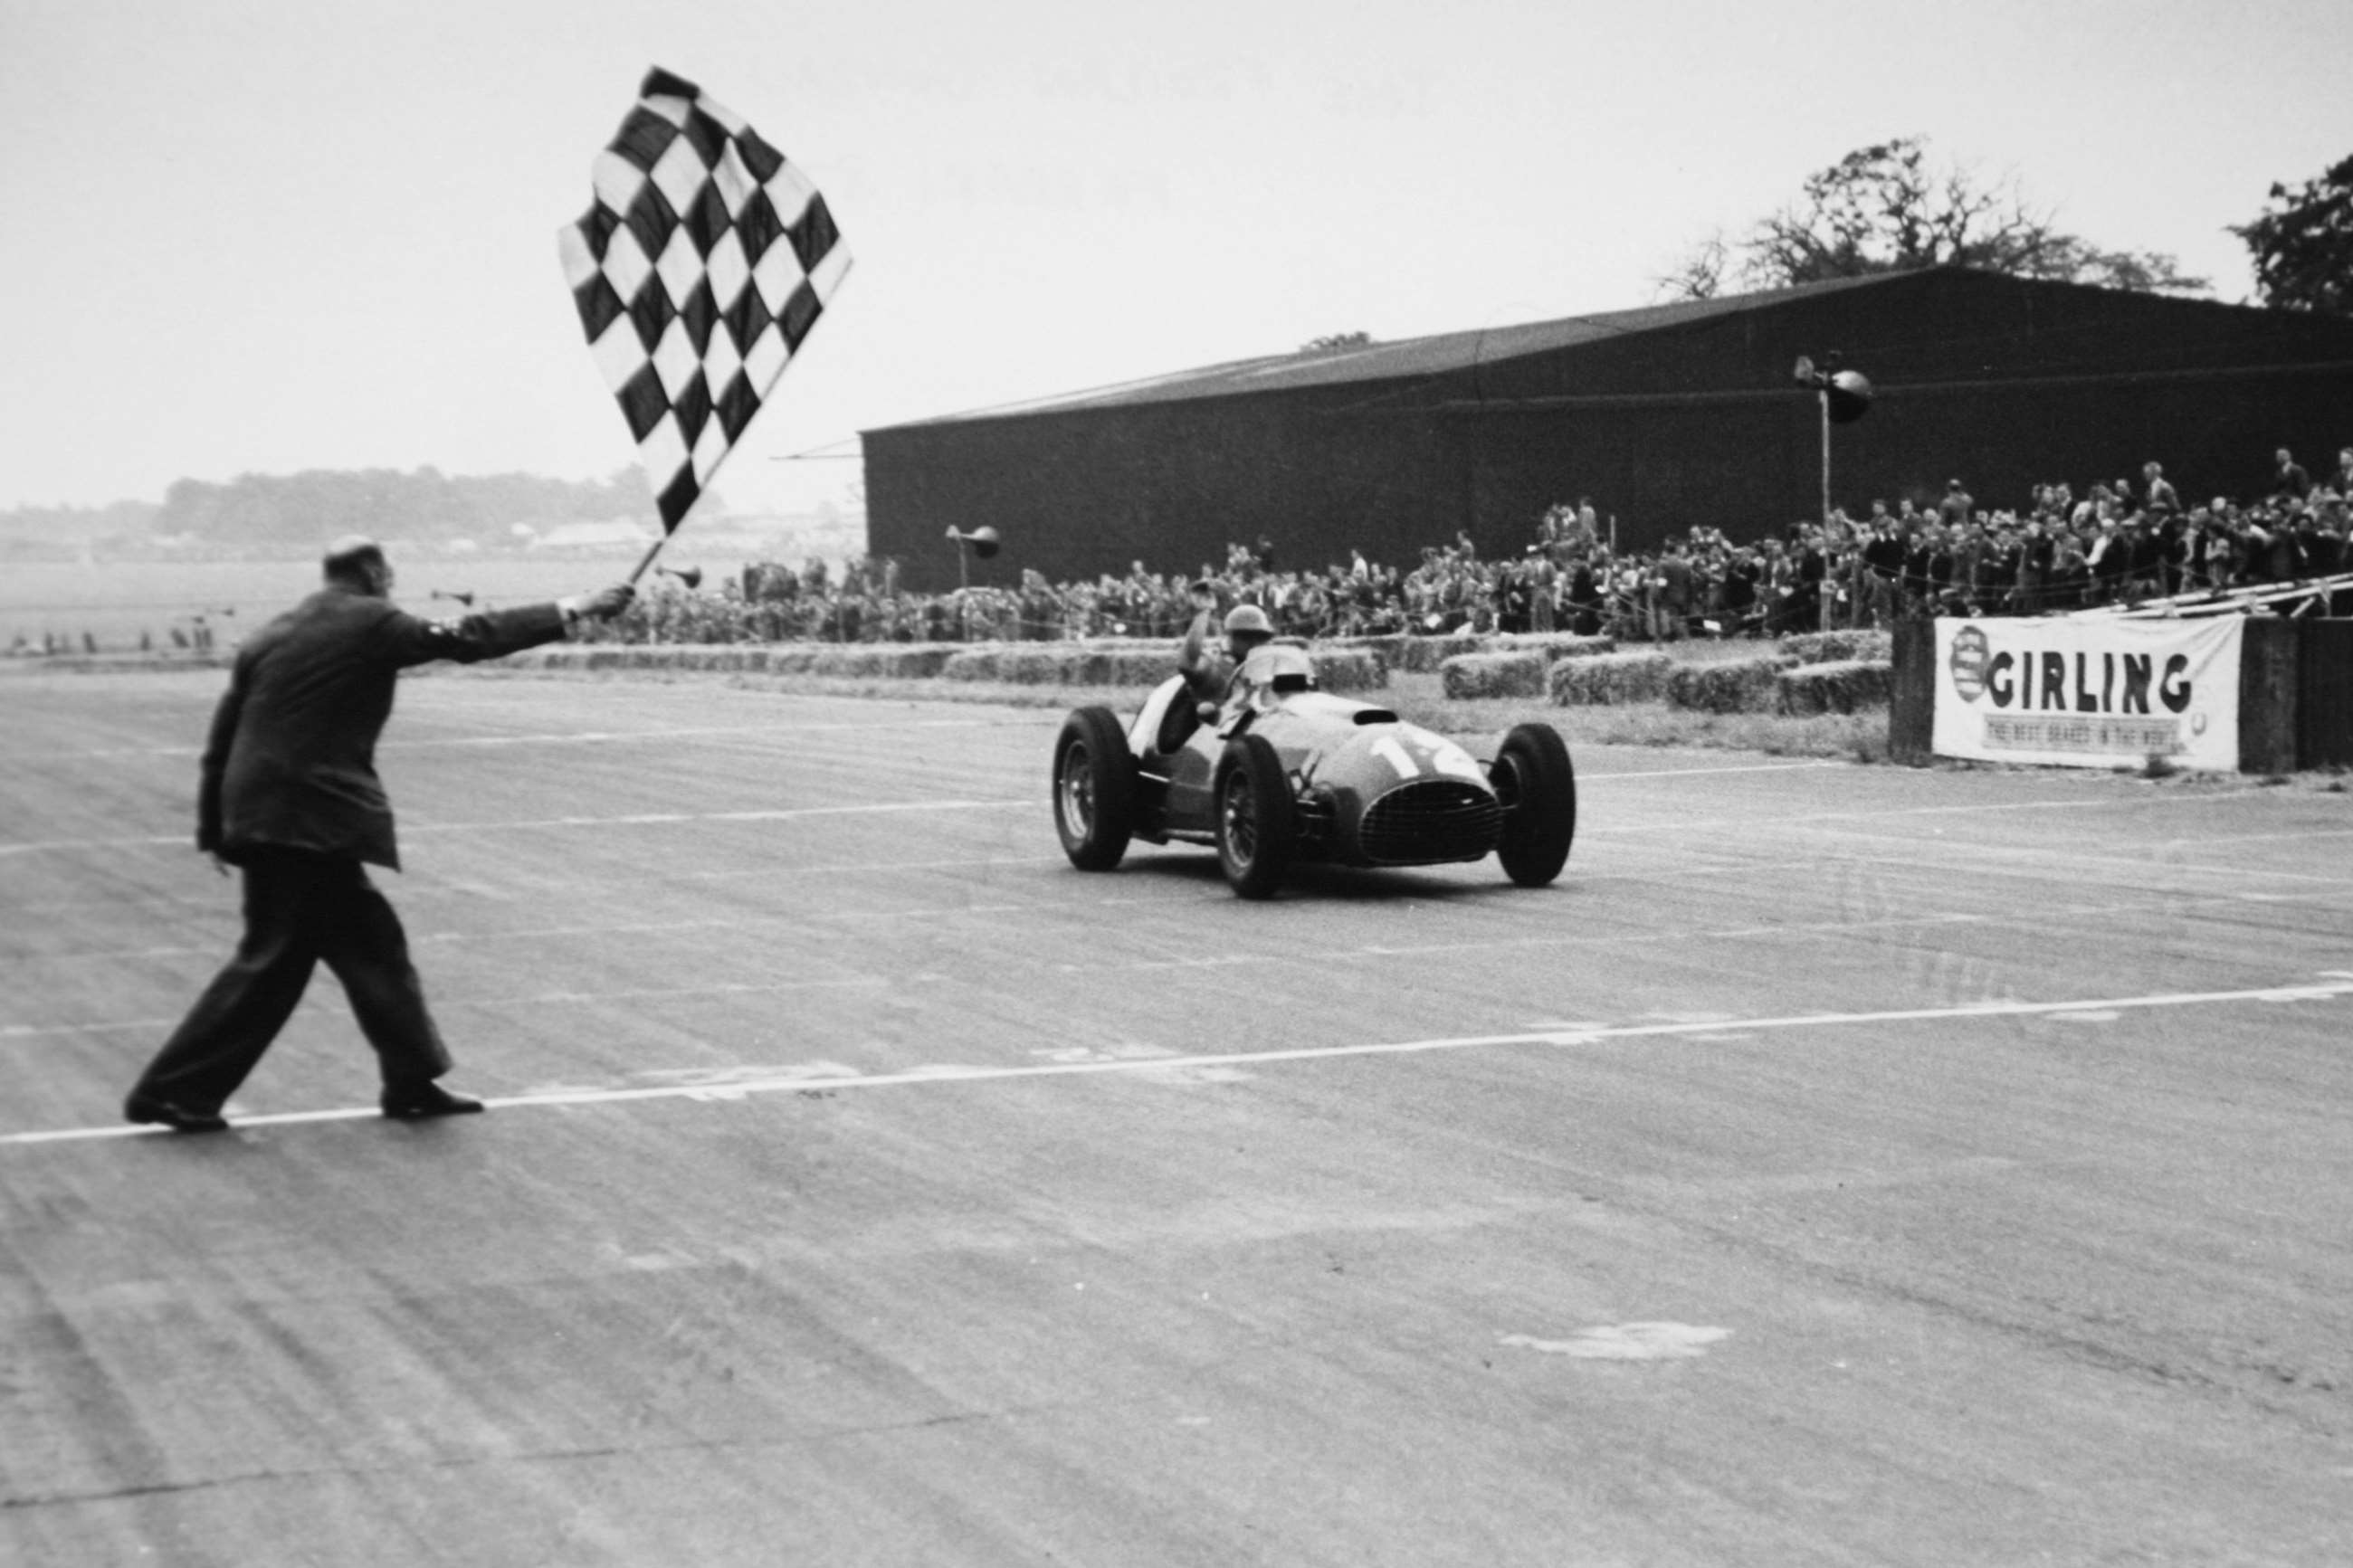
[(1433, 820)]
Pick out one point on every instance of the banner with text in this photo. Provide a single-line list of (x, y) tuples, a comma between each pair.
[(2096, 692)]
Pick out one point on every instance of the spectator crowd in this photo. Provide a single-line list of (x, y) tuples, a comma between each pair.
[(2118, 541)]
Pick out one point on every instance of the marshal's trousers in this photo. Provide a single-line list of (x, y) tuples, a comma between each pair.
[(300, 909)]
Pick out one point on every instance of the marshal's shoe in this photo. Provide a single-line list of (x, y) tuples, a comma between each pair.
[(178, 1118), (422, 1102)]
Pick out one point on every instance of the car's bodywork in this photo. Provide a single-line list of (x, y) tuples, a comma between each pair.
[(1357, 785)]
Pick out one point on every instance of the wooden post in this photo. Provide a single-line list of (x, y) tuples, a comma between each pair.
[(2323, 722), (2267, 695), (1912, 694)]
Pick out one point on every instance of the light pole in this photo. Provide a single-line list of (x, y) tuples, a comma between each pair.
[(981, 542), (1844, 396)]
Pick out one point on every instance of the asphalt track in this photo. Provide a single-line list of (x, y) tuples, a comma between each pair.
[(1839, 1165)]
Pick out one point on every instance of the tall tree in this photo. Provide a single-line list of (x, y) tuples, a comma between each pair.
[(1885, 208), (2303, 245)]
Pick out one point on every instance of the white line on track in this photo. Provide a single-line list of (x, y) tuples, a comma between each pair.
[(117, 1027), (427, 887), (2334, 985), (584, 737), (1702, 772), (1750, 822), (667, 818), (410, 829)]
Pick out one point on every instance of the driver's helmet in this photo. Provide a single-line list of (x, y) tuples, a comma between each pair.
[(1246, 627)]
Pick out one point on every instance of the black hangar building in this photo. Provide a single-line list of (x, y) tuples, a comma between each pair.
[(1669, 416)]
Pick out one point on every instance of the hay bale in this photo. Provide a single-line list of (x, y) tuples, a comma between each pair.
[(1030, 664), (1147, 664), (1470, 676), (1841, 686), (1610, 679), (872, 661), (1019, 664), (1833, 648), (1736, 686), (977, 662), (1553, 646), (1125, 662), (912, 661), (1130, 664), (1350, 670), (1388, 647), (1424, 655)]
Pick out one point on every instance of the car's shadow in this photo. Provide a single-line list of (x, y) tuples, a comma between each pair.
[(1316, 879)]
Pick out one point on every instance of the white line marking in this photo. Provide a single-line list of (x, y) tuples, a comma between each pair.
[(177, 840), (425, 884), (665, 818), (592, 737), (1751, 823), (26, 1031), (1625, 1341), (1697, 772), (412, 829), (2329, 990)]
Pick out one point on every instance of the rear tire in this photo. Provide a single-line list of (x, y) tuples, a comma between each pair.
[(1538, 787), (1256, 825), (1094, 789)]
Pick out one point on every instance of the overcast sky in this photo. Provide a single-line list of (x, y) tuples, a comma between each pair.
[(247, 235)]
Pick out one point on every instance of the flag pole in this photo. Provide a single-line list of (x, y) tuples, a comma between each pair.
[(647, 559)]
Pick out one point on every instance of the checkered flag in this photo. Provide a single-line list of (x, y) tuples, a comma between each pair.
[(699, 269)]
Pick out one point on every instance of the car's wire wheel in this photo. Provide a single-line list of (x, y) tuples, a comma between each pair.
[(1241, 826), (1256, 831), (1078, 789), (1094, 790)]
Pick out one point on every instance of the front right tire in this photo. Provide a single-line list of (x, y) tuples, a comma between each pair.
[(1538, 787)]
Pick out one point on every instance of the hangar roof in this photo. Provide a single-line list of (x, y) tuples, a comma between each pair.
[(1408, 356)]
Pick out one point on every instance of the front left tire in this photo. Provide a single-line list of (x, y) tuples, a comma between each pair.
[(1257, 827)]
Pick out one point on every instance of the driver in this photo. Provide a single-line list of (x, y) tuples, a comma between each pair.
[(1207, 673)]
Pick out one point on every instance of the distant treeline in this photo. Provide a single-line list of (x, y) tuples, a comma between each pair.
[(78, 524), (300, 510), (426, 504)]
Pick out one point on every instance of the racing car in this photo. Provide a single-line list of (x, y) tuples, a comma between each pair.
[(1282, 771)]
